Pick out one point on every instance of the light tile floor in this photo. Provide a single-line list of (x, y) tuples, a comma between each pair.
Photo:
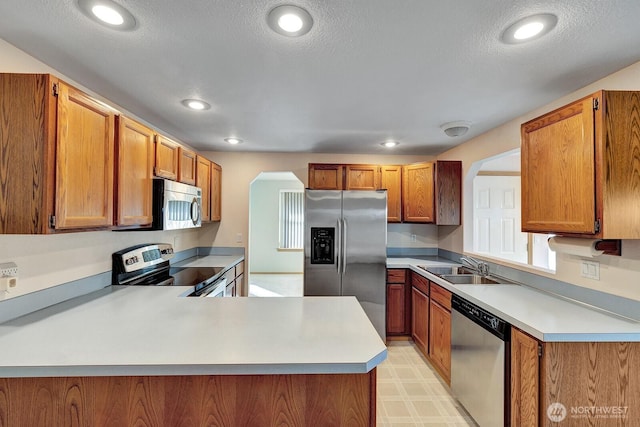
[(276, 285), (410, 393)]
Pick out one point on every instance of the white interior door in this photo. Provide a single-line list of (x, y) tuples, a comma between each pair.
[(496, 218)]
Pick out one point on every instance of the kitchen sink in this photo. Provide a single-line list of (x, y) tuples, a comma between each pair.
[(440, 271), (470, 279)]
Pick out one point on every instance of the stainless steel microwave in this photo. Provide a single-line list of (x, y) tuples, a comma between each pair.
[(176, 205)]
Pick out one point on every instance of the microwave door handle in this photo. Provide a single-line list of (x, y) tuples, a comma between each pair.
[(195, 211)]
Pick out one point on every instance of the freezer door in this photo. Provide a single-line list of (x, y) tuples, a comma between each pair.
[(322, 232), (364, 233)]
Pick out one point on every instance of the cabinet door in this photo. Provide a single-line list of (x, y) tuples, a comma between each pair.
[(325, 176), (448, 192), (84, 161), (417, 193), (166, 163), (187, 166), (525, 379), (134, 150), (420, 320), (216, 192), (203, 180), (395, 309), (362, 177), (558, 185), (391, 180), (440, 338)]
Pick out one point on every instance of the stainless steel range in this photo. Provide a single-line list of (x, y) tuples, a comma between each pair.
[(148, 264)]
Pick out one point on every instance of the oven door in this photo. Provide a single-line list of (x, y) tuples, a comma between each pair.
[(215, 290)]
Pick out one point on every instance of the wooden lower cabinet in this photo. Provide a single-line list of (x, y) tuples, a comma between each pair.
[(221, 400), (525, 376), (584, 383), (398, 303), (420, 319), (440, 339)]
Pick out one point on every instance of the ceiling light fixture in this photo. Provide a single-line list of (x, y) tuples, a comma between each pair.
[(233, 141), (457, 128), (389, 144), (108, 13), (529, 28), (289, 20), (195, 104)]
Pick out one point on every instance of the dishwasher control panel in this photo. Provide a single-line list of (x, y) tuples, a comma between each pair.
[(482, 317)]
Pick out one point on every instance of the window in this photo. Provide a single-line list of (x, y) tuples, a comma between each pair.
[(291, 219)]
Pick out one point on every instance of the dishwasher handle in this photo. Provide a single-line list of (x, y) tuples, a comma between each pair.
[(482, 318)]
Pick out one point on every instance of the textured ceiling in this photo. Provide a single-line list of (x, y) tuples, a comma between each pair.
[(367, 71)]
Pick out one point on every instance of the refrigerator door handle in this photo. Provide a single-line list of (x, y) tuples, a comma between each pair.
[(344, 246), (338, 246)]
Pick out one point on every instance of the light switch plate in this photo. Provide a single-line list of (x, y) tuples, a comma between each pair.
[(590, 269)]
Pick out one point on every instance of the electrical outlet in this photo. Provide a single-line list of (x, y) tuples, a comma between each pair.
[(413, 238), (239, 238), (9, 269), (590, 269)]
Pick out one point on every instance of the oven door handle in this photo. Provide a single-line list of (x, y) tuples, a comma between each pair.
[(215, 290)]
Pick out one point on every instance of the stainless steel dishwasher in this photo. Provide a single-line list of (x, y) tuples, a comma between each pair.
[(480, 362)]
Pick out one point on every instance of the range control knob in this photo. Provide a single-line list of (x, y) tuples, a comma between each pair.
[(494, 323)]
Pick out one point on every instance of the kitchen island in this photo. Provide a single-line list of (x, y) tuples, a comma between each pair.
[(147, 356)]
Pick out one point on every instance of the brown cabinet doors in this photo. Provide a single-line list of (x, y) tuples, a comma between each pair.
[(391, 180), (417, 193), (203, 180), (166, 162), (440, 338), (216, 192), (135, 153), (84, 161), (186, 166), (325, 176), (525, 379), (558, 170), (362, 177), (420, 319)]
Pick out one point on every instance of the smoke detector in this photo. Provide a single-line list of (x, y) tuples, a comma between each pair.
[(454, 129)]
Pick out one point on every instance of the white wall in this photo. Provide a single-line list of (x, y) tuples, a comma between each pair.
[(618, 275), (264, 233)]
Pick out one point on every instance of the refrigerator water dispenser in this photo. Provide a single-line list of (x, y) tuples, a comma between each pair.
[(322, 245)]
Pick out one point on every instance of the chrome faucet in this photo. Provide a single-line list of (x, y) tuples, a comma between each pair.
[(480, 267)]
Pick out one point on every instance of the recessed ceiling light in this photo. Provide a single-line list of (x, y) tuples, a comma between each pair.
[(108, 13), (289, 20), (195, 104), (529, 28), (233, 141), (389, 144)]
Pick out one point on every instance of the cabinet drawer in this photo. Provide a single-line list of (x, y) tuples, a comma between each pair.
[(396, 275), (441, 296), (420, 282), (239, 268)]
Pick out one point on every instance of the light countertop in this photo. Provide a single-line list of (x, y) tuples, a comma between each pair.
[(210, 261), (146, 330), (545, 316)]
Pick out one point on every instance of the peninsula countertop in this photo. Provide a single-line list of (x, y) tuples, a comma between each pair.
[(542, 315), (152, 330)]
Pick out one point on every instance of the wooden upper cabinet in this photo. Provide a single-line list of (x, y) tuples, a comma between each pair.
[(203, 180), (186, 166), (579, 168), (391, 180), (216, 192), (417, 193), (432, 192), (362, 177), (134, 180), (84, 161), (166, 162), (326, 176)]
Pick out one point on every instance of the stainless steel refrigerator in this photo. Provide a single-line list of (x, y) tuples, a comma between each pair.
[(345, 248)]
